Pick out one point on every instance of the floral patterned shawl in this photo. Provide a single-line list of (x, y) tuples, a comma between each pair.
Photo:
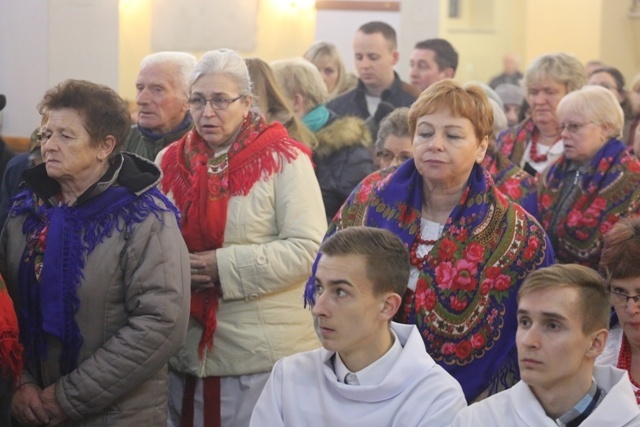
[(513, 181), (513, 141), (465, 299), (608, 190)]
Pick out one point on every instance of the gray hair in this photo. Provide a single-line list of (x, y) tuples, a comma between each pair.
[(299, 76), (226, 62), (563, 68), (396, 123), (596, 104), (183, 61)]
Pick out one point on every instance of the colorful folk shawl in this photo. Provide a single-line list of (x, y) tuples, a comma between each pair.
[(59, 239), (10, 348), (202, 184), (515, 183), (513, 141), (465, 300), (608, 190)]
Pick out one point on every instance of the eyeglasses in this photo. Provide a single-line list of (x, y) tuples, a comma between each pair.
[(571, 127), (217, 103), (388, 156), (621, 299), (605, 85)]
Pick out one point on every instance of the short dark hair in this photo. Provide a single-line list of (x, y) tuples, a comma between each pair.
[(446, 55), (621, 250), (103, 111), (594, 298), (387, 259), (383, 28)]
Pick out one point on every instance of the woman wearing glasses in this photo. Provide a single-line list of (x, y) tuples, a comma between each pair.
[(394, 144), (252, 218), (594, 183), (619, 264)]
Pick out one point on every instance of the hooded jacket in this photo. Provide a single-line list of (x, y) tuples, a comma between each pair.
[(133, 306), (342, 160)]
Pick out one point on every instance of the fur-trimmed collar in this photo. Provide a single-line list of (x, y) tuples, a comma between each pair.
[(341, 133)]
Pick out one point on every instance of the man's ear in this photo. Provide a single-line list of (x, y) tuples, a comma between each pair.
[(390, 305), (448, 72), (396, 57), (185, 104), (598, 343)]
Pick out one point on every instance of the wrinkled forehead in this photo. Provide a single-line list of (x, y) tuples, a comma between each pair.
[(163, 73)]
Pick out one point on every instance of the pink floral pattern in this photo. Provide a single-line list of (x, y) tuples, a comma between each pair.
[(608, 190), (464, 302)]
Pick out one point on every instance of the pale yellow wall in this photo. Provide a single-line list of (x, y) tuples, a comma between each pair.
[(283, 31), (571, 26), (485, 31), (135, 42), (588, 29), (620, 45)]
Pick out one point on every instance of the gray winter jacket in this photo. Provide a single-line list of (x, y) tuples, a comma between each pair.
[(133, 312)]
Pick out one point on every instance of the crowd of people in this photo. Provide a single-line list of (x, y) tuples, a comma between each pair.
[(286, 243)]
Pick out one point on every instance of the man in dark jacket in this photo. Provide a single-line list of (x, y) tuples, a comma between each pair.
[(162, 98), (375, 49)]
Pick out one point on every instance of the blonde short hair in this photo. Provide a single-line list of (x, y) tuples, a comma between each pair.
[(297, 76), (596, 104), (594, 298), (564, 69)]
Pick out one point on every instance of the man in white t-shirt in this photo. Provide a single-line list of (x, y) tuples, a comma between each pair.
[(563, 317), (371, 370)]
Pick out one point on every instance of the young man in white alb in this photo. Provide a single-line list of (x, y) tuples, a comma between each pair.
[(563, 316), (371, 371)]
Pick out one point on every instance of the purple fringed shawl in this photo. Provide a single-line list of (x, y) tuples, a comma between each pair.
[(48, 306), (465, 299), (608, 190)]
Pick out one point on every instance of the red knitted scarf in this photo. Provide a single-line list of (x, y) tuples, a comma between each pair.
[(201, 186)]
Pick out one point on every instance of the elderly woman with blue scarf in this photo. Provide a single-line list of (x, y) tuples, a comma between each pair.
[(342, 156), (470, 247), (93, 256)]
